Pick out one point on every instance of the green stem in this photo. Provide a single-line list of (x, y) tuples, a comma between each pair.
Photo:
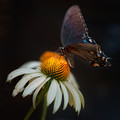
[(44, 110), (29, 113), (39, 98)]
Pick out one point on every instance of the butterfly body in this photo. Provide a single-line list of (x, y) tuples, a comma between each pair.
[(75, 40)]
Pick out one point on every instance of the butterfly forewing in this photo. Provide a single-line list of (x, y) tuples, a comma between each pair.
[(74, 29)]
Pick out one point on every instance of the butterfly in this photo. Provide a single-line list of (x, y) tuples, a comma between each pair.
[(75, 40)]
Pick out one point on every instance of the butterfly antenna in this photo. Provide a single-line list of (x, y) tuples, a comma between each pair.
[(55, 42)]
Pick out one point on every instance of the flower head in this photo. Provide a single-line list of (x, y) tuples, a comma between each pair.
[(53, 69), (56, 67)]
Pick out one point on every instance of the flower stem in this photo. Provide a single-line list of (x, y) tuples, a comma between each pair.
[(40, 97), (44, 110), (29, 113)]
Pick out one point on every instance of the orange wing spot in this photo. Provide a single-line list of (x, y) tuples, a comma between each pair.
[(103, 58), (95, 64), (91, 52), (98, 55)]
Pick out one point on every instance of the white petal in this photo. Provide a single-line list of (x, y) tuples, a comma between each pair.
[(31, 64), (20, 85), (65, 94), (19, 72), (15, 92), (71, 100), (78, 100), (82, 99), (75, 96), (33, 85), (58, 99), (37, 90), (72, 94), (73, 80), (52, 92)]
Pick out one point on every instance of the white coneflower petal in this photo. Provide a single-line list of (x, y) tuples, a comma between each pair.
[(78, 101), (19, 72), (65, 94), (58, 99), (73, 80), (82, 99), (71, 100), (33, 85), (15, 92), (31, 64), (75, 95), (52, 92), (20, 85), (38, 89)]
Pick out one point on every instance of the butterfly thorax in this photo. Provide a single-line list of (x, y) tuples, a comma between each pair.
[(62, 51)]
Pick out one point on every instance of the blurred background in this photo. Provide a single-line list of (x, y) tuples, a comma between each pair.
[(30, 27)]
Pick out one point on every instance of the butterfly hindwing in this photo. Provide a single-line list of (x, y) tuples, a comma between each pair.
[(85, 51)]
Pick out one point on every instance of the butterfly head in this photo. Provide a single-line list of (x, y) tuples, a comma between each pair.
[(61, 51)]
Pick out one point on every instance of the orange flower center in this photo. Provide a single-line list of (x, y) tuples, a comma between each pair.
[(55, 67), (47, 55)]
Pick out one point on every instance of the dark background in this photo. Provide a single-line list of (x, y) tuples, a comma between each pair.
[(28, 28)]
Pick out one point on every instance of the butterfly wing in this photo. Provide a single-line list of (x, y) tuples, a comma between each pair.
[(84, 50), (74, 29), (75, 39), (91, 53)]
